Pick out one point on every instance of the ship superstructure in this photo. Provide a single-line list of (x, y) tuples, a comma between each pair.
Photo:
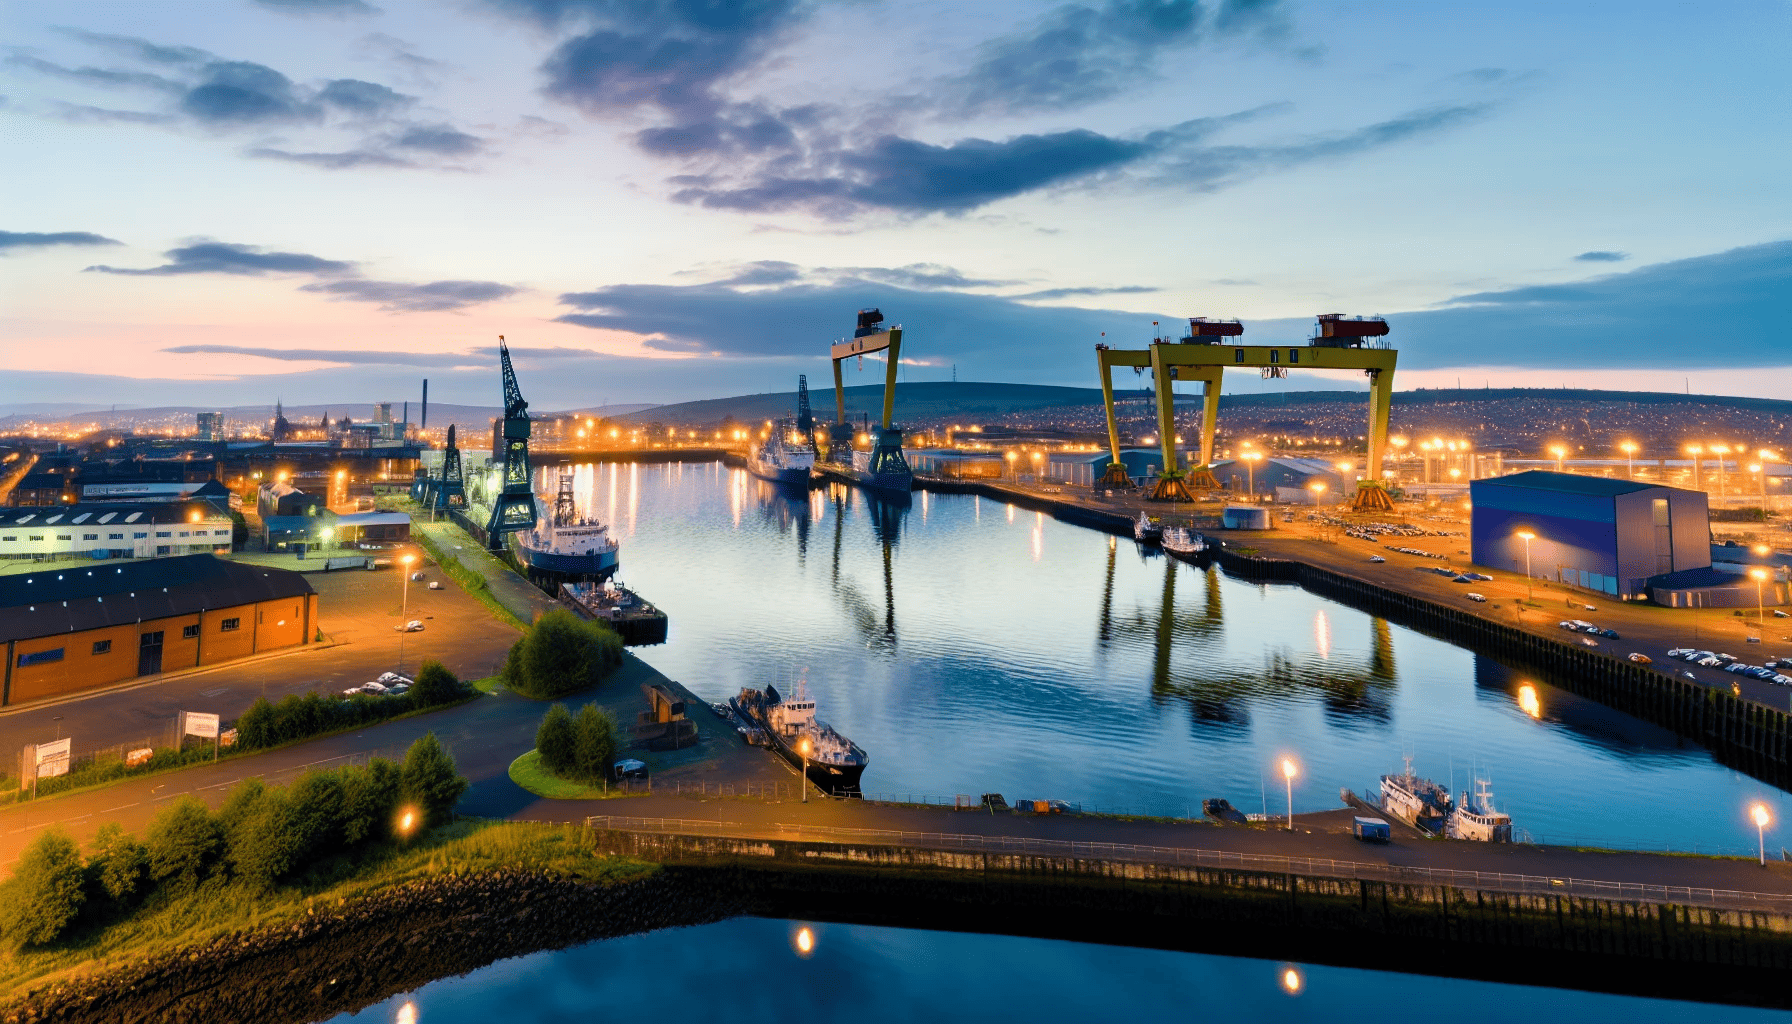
[(1475, 817), (1416, 801), (783, 457), (563, 545), (833, 762)]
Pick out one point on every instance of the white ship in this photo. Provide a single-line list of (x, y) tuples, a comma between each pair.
[(1476, 818), (780, 458), (564, 545), (1418, 802), (1182, 541)]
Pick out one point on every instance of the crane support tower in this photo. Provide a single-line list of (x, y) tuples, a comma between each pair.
[(887, 468), (449, 491), (513, 507), (805, 417), (1339, 342)]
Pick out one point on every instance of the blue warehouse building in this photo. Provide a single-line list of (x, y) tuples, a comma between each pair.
[(1611, 536)]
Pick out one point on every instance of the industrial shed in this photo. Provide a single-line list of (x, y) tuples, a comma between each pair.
[(1605, 535)]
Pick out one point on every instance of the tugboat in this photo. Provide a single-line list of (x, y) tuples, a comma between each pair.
[(1418, 802), (778, 460), (834, 762), (565, 545), (1475, 819), (1144, 530)]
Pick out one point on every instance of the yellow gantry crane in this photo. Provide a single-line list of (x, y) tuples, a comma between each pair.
[(1340, 343)]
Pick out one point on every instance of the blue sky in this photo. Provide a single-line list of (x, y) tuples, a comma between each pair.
[(666, 200)]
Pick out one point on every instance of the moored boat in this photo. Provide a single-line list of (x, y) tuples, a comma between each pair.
[(780, 459), (833, 762), (1416, 801), (1145, 530), (1183, 542), (1476, 819), (564, 545)]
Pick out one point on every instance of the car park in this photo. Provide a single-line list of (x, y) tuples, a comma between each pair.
[(1709, 661)]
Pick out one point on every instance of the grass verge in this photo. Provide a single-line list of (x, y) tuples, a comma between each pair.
[(490, 685), (217, 906), (527, 772), (472, 582)]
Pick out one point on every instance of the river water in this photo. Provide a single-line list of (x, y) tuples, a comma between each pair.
[(973, 647), (750, 969)]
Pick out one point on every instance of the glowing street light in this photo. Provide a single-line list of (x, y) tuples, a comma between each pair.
[(1559, 452), (804, 941), (407, 822), (1695, 450), (1318, 489), (1760, 576), (1761, 817), (1629, 450), (1250, 471), (1290, 979), (1720, 450), (1289, 771), (404, 608), (804, 747), (1527, 536)]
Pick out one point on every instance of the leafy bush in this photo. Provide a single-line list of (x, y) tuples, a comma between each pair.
[(561, 653), (184, 843), (436, 685), (556, 740), (119, 865), (430, 780), (45, 892), (596, 745), (369, 797), (267, 724)]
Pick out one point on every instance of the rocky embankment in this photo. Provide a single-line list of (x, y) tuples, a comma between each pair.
[(344, 956)]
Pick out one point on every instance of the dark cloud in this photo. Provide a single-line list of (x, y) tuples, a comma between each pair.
[(923, 276), (225, 258), (1066, 293), (901, 174), (28, 239), (1186, 160), (398, 297), (1602, 256), (331, 8), (439, 139), (342, 161), (364, 98), (243, 92), (372, 357)]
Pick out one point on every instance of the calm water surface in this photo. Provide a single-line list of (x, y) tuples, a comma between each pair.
[(748, 969), (973, 647)]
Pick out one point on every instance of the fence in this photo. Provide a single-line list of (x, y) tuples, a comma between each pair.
[(1190, 857)]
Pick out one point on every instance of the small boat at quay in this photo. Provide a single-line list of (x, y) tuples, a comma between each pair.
[(1419, 802), (1476, 819), (833, 762), (1144, 530)]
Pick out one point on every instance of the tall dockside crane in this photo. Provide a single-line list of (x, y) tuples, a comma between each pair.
[(448, 491), (513, 507), (886, 452), (805, 418), (1339, 342)]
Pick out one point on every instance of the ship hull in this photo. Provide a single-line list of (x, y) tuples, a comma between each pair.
[(788, 476), (830, 778), (899, 486), (596, 567)]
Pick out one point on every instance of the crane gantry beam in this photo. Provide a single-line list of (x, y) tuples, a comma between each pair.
[(1204, 355)]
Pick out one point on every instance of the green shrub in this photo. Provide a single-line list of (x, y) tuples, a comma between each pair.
[(561, 653), (596, 744), (370, 796), (557, 740), (183, 843), (119, 865), (317, 804), (46, 890), (267, 841), (436, 685), (430, 780)]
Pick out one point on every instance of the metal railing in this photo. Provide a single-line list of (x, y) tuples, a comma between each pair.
[(1191, 857)]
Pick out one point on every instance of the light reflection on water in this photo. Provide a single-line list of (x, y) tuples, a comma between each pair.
[(1012, 653), (750, 969)]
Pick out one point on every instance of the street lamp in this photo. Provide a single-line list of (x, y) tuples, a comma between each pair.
[(1756, 469), (404, 608), (1318, 489), (1250, 471), (1629, 451), (1759, 813), (1527, 536), (1695, 450), (804, 782), (1760, 577), (1012, 471), (1720, 450), (1289, 771), (1559, 452)]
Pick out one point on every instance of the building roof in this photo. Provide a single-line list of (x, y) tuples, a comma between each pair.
[(70, 599), (1701, 578), (109, 513), (41, 481), (373, 519), (1567, 483)]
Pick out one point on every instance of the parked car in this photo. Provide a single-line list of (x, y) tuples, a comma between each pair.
[(418, 577), (629, 768), (413, 626), (1477, 598), (1736, 667), (1589, 641), (1376, 558), (1709, 661), (1641, 659), (435, 584), (394, 677), (1609, 634), (1778, 614), (1461, 579)]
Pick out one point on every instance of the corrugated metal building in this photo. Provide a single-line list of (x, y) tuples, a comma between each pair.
[(1084, 468), (114, 530), (1605, 535), (1271, 474)]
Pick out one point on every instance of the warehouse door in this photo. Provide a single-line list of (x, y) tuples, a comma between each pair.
[(1664, 535), (149, 654)]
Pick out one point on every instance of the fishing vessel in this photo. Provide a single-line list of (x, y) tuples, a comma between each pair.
[(563, 545), (833, 762), (780, 458), (1418, 802), (1183, 542), (1144, 530), (1476, 819)]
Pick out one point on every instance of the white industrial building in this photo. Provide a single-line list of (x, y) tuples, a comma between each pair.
[(113, 530)]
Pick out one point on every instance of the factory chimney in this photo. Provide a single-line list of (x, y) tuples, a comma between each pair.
[(423, 421)]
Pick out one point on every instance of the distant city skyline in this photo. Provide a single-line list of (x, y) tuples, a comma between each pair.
[(657, 202)]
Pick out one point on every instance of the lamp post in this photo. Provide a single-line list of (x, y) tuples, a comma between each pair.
[(1695, 450), (804, 782), (1527, 536), (1250, 472), (1758, 470), (1289, 771), (404, 608), (1720, 450), (1318, 489), (1760, 577), (1559, 452), (1759, 813), (1629, 450)]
